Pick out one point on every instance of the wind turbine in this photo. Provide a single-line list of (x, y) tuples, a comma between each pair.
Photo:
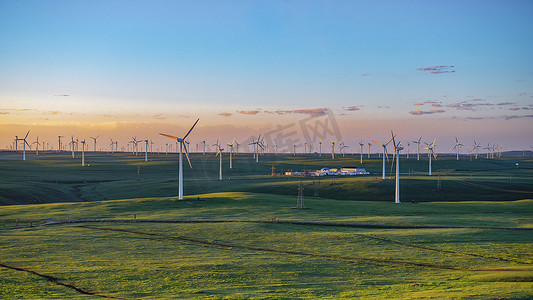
[(361, 145), (342, 147), (457, 147), (94, 138), (135, 146), (294, 149), (384, 153), (146, 150), (333, 148), (59, 149), (204, 147), (320, 148), (236, 147), (23, 145), (37, 147), (72, 145), (182, 147), (430, 148), (83, 153), (408, 144), (417, 148), (397, 148), (275, 149), (369, 146), (219, 153), (230, 153)]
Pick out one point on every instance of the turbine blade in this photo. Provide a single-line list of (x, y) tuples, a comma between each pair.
[(188, 132), (186, 153), (377, 142), (167, 135), (27, 134)]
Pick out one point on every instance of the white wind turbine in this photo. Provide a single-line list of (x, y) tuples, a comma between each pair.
[(476, 147), (384, 153), (361, 145), (230, 154), (23, 144), (369, 146), (294, 149), (418, 148), (59, 148), (37, 146), (457, 147), (182, 147), (83, 153), (219, 153), (236, 147), (430, 148), (275, 149), (333, 148), (94, 138), (342, 147), (146, 150), (397, 149), (72, 145), (320, 148), (204, 147), (408, 144)]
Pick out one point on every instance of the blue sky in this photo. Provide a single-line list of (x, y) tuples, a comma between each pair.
[(74, 63)]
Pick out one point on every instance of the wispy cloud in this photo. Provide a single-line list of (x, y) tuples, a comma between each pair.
[(520, 108), (365, 74), (517, 117), (438, 69), (248, 112), (353, 108), (225, 114), (419, 112), (4, 113), (61, 95), (313, 112), (16, 109), (505, 103), (384, 107)]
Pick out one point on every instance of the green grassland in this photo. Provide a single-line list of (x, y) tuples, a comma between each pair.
[(129, 237)]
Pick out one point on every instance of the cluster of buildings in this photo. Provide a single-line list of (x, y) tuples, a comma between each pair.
[(344, 171)]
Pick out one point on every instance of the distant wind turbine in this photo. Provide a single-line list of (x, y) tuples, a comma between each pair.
[(83, 153), (457, 147), (94, 138), (397, 149), (23, 144), (37, 146), (361, 145), (431, 148), (333, 148), (384, 153), (418, 148)]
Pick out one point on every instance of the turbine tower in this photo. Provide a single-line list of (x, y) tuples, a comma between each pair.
[(430, 148), (146, 150), (361, 145), (476, 147), (320, 148), (219, 153), (384, 153), (369, 146), (417, 148), (94, 138), (83, 153), (333, 148), (182, 147), (457, 147), (59, 148), (72, 145), (23, 144), (230, 153), (37, 147), (397, 148)]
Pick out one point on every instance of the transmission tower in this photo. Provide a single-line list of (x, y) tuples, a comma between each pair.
[(316, 183), (300, 203)]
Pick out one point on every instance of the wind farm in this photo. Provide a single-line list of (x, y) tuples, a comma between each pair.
[(198, 130)]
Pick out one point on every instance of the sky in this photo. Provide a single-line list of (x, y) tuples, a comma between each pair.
[(352, 70)]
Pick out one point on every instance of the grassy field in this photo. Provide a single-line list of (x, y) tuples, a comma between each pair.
[(243, 238)]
